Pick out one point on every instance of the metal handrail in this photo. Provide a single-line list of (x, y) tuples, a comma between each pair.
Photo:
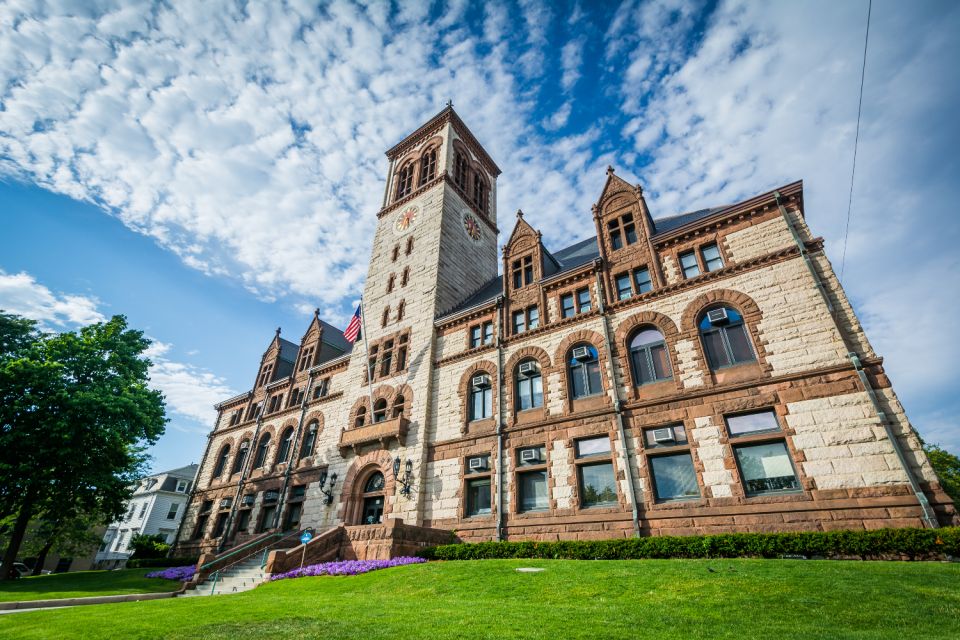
[(252, 543)]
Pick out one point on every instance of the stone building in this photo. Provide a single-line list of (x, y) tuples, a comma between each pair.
[(693, 373)]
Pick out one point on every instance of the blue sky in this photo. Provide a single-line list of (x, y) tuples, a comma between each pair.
[(212, 170)]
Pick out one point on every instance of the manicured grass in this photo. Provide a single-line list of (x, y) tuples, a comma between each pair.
[(82, 584), (571, 599)]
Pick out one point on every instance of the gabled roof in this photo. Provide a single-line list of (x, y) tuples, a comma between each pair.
[(288, 350), (334, 337)]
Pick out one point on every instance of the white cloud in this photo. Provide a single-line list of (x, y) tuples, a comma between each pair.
[(21, 294), (191, 391)]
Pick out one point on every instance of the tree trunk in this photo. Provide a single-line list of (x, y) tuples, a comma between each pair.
[(16, 539), (42, 558)]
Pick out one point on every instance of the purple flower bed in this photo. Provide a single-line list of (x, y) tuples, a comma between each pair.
[(174, 573), (346, 568)]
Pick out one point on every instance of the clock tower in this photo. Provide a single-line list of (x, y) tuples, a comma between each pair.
[(435, 244)]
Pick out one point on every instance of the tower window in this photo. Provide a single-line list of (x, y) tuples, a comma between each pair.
[(480, 192), (405, 276), (390, 282), (405, 181), (400, 310), (409, 245), (402, 353), (396, 253), (387, 358), (460, 170), (386, 316), (428, 166)]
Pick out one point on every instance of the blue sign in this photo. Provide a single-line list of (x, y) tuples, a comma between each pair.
[(306, 537)]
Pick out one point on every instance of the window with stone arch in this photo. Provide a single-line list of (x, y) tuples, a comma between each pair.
[(428, 166), (379, 410), (261, 457), (309, 440), (398, 406), (404, 181), (461, 168), (583, 369), (286, 444), (480, 191), (481, 396), (649, 359), (361, 416), (724, 337), (529, 385), (242, 451), (222, 461)]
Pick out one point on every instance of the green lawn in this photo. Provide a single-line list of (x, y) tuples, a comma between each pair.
[(571, 599), (82, 584)]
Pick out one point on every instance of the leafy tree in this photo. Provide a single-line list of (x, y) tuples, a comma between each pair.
[(947, 467), (76, 417), (149, 546)]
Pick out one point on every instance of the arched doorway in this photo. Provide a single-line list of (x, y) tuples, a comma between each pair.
[(372, 499)]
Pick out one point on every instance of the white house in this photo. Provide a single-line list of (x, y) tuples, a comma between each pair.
[(157, 507)]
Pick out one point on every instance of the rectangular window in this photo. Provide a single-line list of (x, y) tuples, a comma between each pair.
[(487, 333), (387, 359), (616, 240), (688, 262), (478, 496), (243, 520), (182, 486), (583, 300), (294, 511), (519, 322), (533, 317), (766, 468), (641, 278), (711, 257), (266, 517), (598, 486), (629, 231), (674, 477), (221, 525), (623, 286), (481, 402), (517, 275), (758, 422), (593, 447), (172, 513), (474, 336), (567, 309), (532, 490), (298, 492), (528, 270), (143, 509)]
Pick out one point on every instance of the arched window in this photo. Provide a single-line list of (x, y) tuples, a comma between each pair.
[(648, 357), (480, 191), (428, 166), (529, 386), (222, 461), (262, 449), (286, 442), (372, 500), (374, 483), (481, 396), (725, 338), (390, 282), (398, 407), (361, 418), (460, 170), (379, 410), (309, 440), (241, 456), (584, 365), (405, 180)]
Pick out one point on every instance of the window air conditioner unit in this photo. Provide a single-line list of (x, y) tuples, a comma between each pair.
[(248, 501), (527, 369), (481, 382), (717, 316), (244, 446), (225, 503), (664, 434), (477, 464), (581, 353), (530, 455)]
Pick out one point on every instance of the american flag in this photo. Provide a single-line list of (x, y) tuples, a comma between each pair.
[(352, 332)]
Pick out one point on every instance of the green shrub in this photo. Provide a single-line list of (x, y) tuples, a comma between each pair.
[(140, 563), (149, 546), (866, 545)]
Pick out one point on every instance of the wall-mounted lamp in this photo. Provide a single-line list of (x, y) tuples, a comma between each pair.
[(327, 488), (405, 480)]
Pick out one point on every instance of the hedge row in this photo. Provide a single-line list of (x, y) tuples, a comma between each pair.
[(140, 563), (866, 545)]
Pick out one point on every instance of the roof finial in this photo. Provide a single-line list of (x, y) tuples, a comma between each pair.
[(316, 312), (520, 214), (278, 332), (449, 103), (609, 169)]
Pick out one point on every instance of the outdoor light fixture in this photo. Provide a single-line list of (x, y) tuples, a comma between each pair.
[(406, 480), (325, 488)]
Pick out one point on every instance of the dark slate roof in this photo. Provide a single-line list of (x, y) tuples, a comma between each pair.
[(577, 255), (288, 350), (334, 337)]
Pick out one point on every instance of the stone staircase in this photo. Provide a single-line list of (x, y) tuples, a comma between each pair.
[(242, 576)]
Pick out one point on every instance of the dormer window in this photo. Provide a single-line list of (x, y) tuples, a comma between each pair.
[(522, 270), (265, 375), (428, 166), (622, 231), (306, 360), (405, 181)]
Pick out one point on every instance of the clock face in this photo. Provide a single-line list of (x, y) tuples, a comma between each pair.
[(405, 220), (471, 226)]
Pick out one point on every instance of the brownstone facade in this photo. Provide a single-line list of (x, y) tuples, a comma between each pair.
[(695, 373)]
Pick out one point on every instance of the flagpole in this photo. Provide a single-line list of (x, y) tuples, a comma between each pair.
[(366, 359)]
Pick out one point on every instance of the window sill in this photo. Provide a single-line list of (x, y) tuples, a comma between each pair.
[(737, 372)]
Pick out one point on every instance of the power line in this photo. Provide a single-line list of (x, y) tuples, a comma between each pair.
[(856, 140)]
